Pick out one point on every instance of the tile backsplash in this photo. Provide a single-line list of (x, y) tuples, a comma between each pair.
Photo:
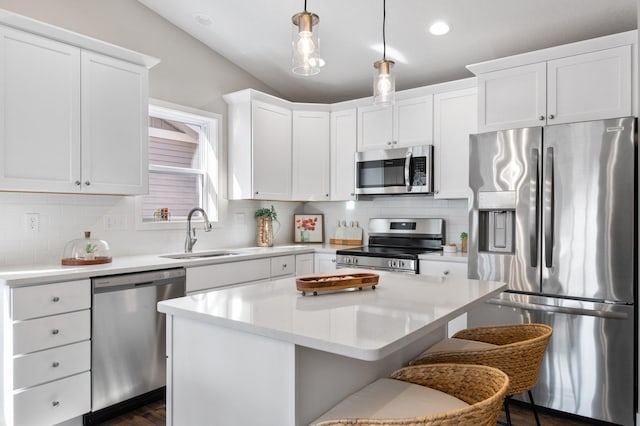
[(64, 217)]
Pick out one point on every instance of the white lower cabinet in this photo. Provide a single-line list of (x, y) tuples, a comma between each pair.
[(48, 353), (283, 266), (53, 402), (304, 264), (324, 262), (447, 269), (208, 277)]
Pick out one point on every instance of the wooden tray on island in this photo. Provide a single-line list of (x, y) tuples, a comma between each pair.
[(317, 283)]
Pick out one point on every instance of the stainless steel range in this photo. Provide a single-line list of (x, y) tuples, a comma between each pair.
[(395, 244)]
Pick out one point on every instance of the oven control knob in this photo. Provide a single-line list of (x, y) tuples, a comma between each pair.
[(347, 260), (355, 260), (401, 263)]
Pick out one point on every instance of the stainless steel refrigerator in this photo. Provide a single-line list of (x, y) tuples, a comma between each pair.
[(553, 213)]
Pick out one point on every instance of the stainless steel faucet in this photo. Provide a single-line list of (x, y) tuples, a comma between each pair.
[(190, 241)]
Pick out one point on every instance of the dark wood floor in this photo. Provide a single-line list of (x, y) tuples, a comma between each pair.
[(154, 414)]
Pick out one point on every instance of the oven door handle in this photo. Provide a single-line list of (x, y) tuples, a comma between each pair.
[(407, 169)]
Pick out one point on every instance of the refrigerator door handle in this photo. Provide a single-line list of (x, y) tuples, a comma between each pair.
[(559, 309), (407, 170), (548, 209), (533, 207)]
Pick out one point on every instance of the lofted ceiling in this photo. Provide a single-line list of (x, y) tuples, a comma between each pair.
[(256, 36)]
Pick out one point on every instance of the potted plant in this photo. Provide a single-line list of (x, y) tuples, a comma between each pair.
[(463, 242), (265, 217)]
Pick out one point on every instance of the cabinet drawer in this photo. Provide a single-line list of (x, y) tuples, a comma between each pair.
[(450, 269), (283, 265), (211, 276), (53, 402), (49, 332), (52, 364), (50, 299)]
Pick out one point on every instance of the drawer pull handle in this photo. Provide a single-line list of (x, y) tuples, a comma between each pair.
[(55, 403), (55, 364), (55, 331), (55, 299)]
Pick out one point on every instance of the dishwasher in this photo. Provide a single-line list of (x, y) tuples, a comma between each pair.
[(128, 349)]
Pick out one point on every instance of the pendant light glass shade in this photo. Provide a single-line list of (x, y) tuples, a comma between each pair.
[(305, 44), (384, 83)]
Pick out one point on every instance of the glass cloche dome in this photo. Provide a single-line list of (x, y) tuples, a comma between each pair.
[(86, 251)]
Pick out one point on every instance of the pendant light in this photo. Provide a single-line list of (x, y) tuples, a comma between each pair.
[(305, 43), (384, 83)]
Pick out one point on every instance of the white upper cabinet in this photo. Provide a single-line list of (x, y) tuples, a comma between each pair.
[(407, 123), (114, 125), (39, 113), (70, 120), (375, 127), (512, 98), (343, 148), (454, 119), (271, 152), (311, 156), (589, 80), (590, 86)]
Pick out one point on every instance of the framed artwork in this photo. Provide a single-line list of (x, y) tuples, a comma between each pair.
[(308, 228)]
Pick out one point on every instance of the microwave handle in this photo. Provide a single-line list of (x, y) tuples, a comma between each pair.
[(407, 169)]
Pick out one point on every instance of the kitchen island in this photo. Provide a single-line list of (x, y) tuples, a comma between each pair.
[(265, 354)]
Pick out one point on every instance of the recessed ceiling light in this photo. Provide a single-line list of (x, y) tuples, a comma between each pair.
[(202, 19), (439, 28)]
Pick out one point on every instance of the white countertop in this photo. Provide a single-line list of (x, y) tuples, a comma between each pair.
[(368, 324), (29, 275)]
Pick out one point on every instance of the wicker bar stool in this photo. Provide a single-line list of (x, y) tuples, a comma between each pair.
[(437, 394), (515, 349)]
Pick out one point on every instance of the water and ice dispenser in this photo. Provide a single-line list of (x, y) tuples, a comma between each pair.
[(497, 217)]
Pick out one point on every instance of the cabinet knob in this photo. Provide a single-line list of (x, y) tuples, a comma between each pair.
[(551, 116), (445, 273), (353, 194), (389, 143), (395, 142), (333, 260), (55, 299), (77, 183), (284, 266), (55, 331), (55, 403), (55, 364), (256, 192), (541, 118), (87, 183)]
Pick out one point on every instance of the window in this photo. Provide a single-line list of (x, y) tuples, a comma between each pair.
[(183, 165)]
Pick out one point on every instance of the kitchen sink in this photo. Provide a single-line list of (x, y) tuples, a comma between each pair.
[(200, 255)]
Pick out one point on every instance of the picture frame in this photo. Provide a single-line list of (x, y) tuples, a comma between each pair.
[(308, 228)]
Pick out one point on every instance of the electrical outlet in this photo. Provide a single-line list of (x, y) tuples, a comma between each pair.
[(117, 222), (32, 222)]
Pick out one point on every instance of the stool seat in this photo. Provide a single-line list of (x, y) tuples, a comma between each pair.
[(425, 395)]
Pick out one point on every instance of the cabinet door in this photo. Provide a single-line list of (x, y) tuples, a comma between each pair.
[(114, 126), (343, 149), (311, 155), (271, 143), (512, 98), (325, 262), (375, 127), (591, 86), (413, 122), (455, 118), (39, 113), (304, 264)]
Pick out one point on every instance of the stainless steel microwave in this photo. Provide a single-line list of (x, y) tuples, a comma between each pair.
[(395, 171)]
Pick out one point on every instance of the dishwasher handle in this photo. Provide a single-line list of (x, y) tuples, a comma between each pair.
[(141, 279)]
